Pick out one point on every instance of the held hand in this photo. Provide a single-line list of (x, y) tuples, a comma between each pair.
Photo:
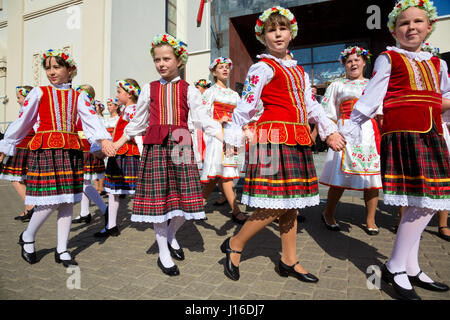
[(224, 119), (2, 156), (108, 148), (248, 134), (336, 141), (99, 155)]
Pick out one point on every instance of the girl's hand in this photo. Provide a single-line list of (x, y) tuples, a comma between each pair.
[(336, 141), (2, 156), (108, 148), (224, 119), (248, 134)]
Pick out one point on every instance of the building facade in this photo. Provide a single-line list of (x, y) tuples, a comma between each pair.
[(109, 40)]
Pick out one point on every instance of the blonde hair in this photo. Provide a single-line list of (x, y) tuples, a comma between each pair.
[(89, 89)]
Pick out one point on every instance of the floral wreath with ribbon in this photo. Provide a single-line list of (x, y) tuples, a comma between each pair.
[(429, 48), (402, 5), (100, 104), (65, 56), (203, 83), (22, 91), (81, 89), (113, 101), (179, 47), (352, 50), (128, 87), (221, 60), (259, 27)]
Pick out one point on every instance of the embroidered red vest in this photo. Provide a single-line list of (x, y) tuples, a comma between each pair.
[(346, 108), (57, 113), (413, 100), (284, 107), (222, 109), (130, 148), (24, 143), (168, 112)]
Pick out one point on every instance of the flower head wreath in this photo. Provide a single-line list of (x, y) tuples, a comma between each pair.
[(402, 5), (81, 89), (22, 91), (113, 101), (259, 27), (203, 83), (179, 47), (65, 56), (352, 50), (221, 60), (429, 48), (128, 87)]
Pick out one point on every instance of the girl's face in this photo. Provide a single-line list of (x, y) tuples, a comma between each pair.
[(277, 39), (112, 108), (57, 74), (201, 89), (166, 63), (354, 66), (221, 72), (411, 28), (20, 98), (122, 96)]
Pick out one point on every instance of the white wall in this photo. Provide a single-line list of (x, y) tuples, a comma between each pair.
[(4, 12), (440, 36)]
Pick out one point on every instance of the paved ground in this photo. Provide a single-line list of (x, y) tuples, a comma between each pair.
[(125, 267)]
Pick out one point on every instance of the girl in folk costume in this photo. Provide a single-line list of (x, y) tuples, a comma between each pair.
[(122, 169), (114, 114), (282, 179), (218, 168), (357, 167), (94, 168), (15, 168), (415, 166), (169, 183), (55, 169)]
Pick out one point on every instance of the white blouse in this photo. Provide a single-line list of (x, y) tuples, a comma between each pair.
[(375, 91), (197, 112), (258, 76), (93, 127)]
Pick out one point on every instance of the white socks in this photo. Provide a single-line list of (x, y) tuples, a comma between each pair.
[(174, 225), (41, 213), (89, 193), (406, 246), (161, 231), (112, 211)]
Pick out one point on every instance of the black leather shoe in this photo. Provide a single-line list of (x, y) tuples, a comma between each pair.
[(66, 263), (433, 286), (172, 271), (286, 271), (231, 271), (372, 231), (238, 221), (21, 216), (404, 294), (108, 232), (27, 217), (443, 236), (177, 254), (28, 257), (331, 227), (86, 219)]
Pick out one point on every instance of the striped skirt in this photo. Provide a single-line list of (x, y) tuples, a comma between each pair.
[(280, 177), (415, 170), (15, 168), (93, 168), (167, 187), (121, 174), (54, 176)]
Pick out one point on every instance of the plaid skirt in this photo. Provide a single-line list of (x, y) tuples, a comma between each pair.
[(15, 168), (121, 174), (54, 176), (167, 187), (94, 168), (280, 177), (415, 170)]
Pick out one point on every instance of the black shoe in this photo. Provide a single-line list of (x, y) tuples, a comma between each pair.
[(238, 221), (301, 218), (372, 232), (27, 217), (331, 227), (443, 236), (433, 286), (177, 254), (286, 271), (231, 271), (103, 193), (86, 219), (404, 294), (218, 203), (28, 257), (172, 271), (122, 196), (66, 263), (21, 216), (108, 232)]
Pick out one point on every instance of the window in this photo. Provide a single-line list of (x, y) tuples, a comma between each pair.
[(171, 17), (322, 62)]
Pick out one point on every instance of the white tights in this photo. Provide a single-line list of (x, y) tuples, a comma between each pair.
[(89, 193), (405, 253), (166, 234), (40, 215), (113, 203)]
